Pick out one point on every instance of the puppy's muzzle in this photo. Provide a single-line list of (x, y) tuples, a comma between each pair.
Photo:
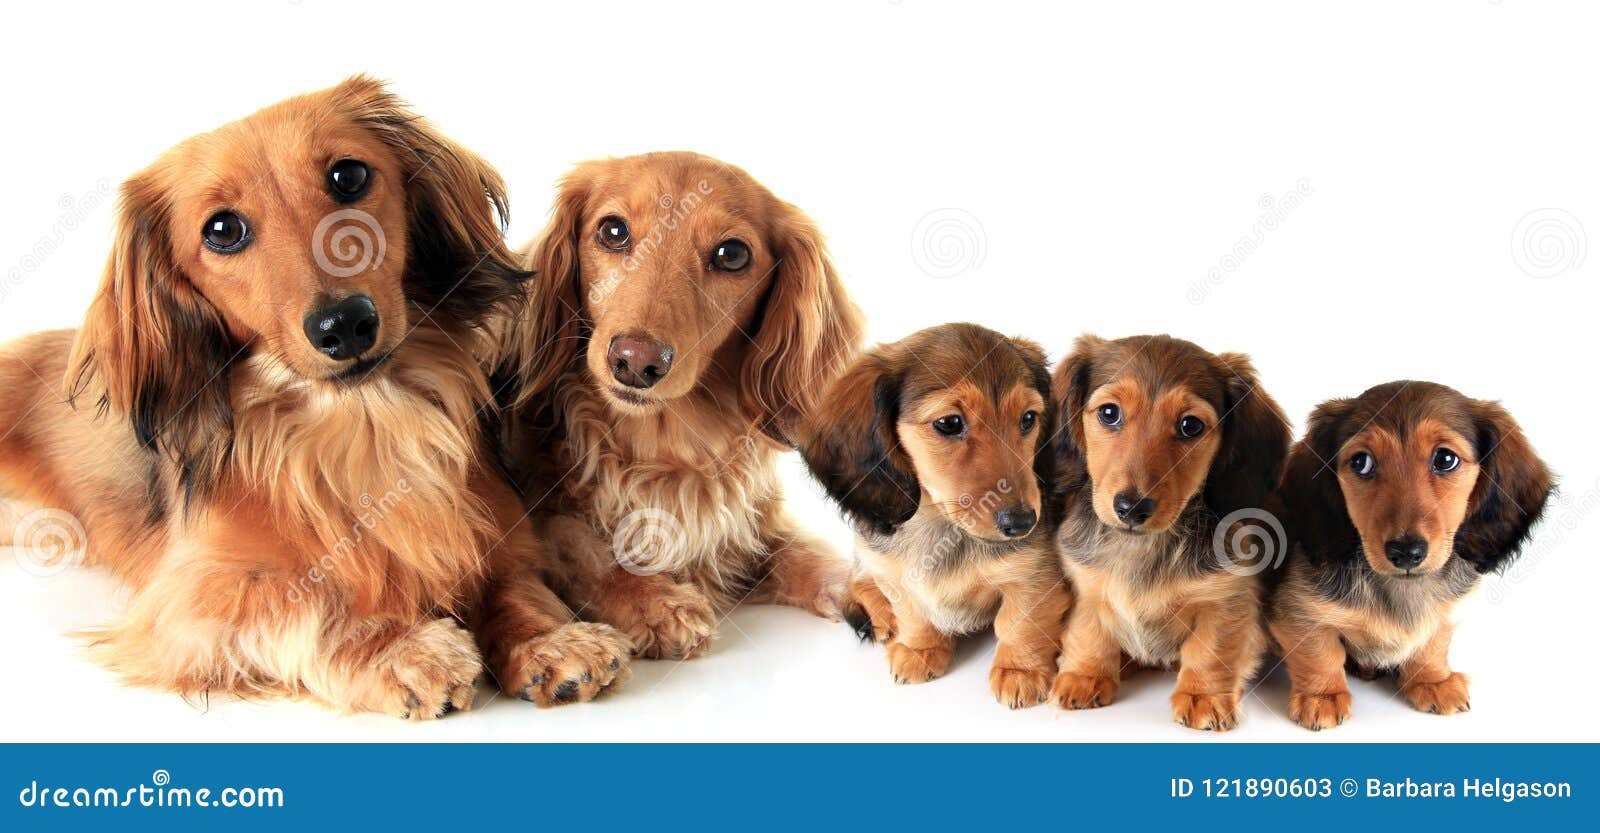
[(344, 330), (1131, 508), (638, 362), (1406, 552), (1016, 520)]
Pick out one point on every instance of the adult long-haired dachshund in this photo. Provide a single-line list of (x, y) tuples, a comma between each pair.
[(1167, 454), (1397, 502), (268, 422), (682, 319), (937, 447)]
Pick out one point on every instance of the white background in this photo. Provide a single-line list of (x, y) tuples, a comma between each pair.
[(1077, 169)]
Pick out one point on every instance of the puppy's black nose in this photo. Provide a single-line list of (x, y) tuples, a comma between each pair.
[(344, 330), (1406, 553), (638, 362), (1132, 509), (1015, 521)]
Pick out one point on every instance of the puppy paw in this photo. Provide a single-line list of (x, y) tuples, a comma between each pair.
[(918, 665), (571, 664), (1319, 711), (430, 672), (1019, 688), (1082, 691), (1206, 712), (677, 623), (1448, 696), (868, 628)]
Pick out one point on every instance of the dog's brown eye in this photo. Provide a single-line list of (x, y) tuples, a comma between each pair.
[(1363, 464), (1109, 415), (614, 234), (730, 256), (950, 426), (348, 179), (1445, 461), (1029, 419), (1190, 427), (226, 233)]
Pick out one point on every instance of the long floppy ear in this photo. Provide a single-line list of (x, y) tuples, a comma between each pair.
[(807, 330), (1255, 441), (541, 341), (458, 266), (153, 349), (1315, 516), (1510, 495), (1044, 460), (851, 446), (1070, 387)]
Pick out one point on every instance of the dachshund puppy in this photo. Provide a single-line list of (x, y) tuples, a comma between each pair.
[(1397, 502), (937, 448), (268, 424), (681, 320), (1168, 455)]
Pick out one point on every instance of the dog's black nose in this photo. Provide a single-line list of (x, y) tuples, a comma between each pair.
[(1015, 521), (1406, 553), (638, 362), (1132, 509), (344, 330)]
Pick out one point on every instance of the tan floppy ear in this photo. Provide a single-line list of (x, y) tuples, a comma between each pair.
[(458, 266), (808, 327), (1510, 495), (153, 349), (1071, 386), (1255, 441), (852, 448), (543, 339)]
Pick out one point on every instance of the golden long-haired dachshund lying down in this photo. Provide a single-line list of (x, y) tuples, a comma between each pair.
[(1168, 453), (937, 447), (682, 318), (268, 422), (1397, 502)]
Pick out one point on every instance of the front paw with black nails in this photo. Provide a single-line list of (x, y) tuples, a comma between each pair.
[(572, 664)]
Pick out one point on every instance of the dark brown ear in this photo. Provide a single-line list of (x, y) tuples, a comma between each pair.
[(851, 446), (542, 341), (458, 267), (152, 348), (1510, 495), (1255, 441), (1314, 508), (1044, 459), (808, 328), (1071, 387)]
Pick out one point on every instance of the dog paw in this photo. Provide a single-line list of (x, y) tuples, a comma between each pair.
[(1019, 688), (1319, 711), (571, 664), (1448, 696), (918, 665), (677, 623), (1082, 691), (430, 672), (1206, 712), (867, 628)]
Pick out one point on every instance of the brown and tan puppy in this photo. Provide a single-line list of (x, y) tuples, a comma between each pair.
[(1167, 457), (683, 317), (268, 423), (937, 448), (1396, 502)]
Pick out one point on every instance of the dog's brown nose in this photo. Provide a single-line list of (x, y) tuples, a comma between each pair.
[(637, 361)]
